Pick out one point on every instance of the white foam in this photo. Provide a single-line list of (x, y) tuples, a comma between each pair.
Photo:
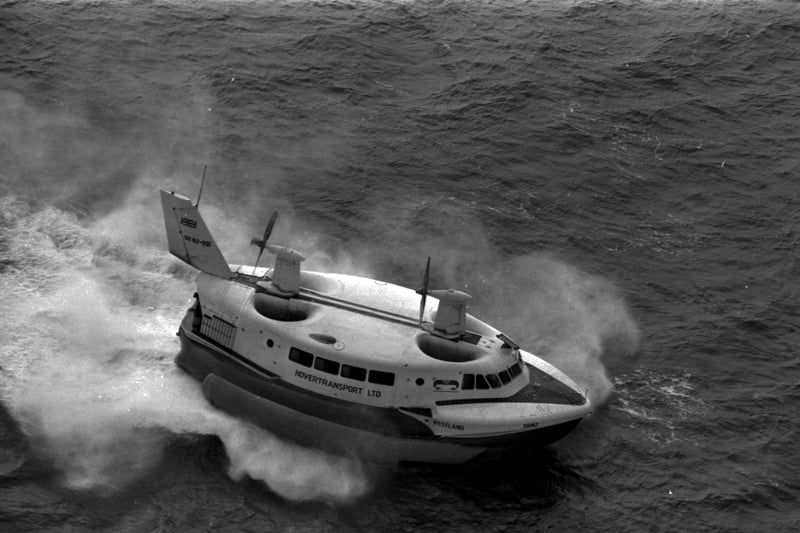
[(87, 361)]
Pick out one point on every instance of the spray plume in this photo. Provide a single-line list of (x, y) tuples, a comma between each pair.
[(572, 319), (87, 358)]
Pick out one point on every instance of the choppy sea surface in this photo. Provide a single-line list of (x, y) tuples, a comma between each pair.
[(614, 182)]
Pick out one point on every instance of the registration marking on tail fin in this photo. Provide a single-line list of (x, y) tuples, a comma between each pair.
[(189, 238)]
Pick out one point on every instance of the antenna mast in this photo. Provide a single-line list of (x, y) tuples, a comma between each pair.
[(202, 181)]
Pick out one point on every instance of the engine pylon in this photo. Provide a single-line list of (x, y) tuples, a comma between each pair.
[(286, 276), (451, 316)]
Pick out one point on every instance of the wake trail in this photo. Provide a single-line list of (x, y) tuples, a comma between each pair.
[(87, 357)]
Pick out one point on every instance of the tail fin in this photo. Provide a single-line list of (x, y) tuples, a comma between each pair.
[(189, 238)]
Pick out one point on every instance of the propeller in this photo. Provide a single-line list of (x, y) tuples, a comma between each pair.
[(424, 290), (263, 242)]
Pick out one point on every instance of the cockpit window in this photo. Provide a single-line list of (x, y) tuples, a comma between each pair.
[(494, 381), (468, 382)]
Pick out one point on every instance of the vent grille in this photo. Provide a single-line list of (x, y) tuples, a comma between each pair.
[(218, 330)]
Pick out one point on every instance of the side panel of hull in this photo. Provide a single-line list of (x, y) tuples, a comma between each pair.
[(235, 386), (311, 431), (200, 360)]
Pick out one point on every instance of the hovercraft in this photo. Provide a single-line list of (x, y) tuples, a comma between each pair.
[(357, 365)]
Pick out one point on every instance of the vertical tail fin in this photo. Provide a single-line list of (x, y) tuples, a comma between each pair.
[(188, 236)]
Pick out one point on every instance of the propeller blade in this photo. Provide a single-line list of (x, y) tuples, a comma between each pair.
[(424, 290), (270, 225), (263, 242), (260, 251)]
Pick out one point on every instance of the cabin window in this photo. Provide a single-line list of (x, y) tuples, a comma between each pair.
[(300, 357), (505, 377), (469, 382), (354, 372), (326, 365), (493, 380), (480, 382), (515, 370), (381, 378)]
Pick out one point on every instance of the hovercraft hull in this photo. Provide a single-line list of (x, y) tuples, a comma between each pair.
[(237, 386)]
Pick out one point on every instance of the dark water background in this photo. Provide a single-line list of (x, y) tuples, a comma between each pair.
[(613, 182)]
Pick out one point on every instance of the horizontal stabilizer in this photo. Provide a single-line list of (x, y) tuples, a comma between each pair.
[(188, 236)]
